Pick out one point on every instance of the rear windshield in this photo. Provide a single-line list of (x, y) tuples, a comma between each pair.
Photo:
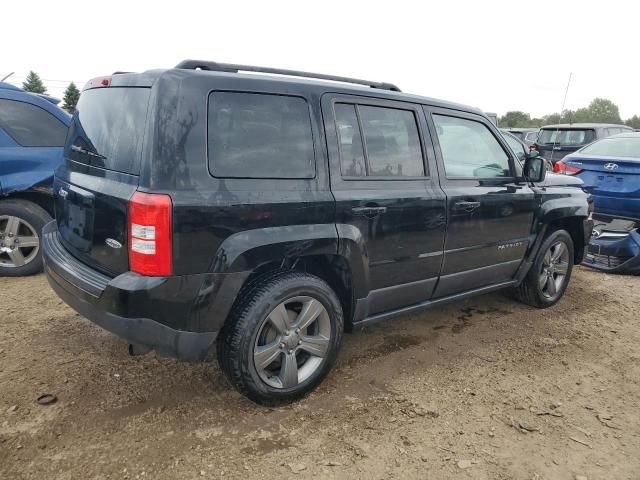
[(615, 147), (565, 136), (108, 127)]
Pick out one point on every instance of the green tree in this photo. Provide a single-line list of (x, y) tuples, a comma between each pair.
[(568, 116), (552, 119), (581, 115), (515, 119), (33, 83), (70, 99), (602, 110), (634, 122)]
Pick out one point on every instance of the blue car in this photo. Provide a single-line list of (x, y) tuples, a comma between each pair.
[(610, 170), (32, 135)]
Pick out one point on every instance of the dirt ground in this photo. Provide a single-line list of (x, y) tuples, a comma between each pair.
[(484, 389)]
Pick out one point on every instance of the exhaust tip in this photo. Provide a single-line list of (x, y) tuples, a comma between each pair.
[(136, 349)]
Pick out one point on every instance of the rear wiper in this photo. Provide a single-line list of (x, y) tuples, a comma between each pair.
[(78, 149)]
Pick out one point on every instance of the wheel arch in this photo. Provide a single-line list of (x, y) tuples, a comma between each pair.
[(43, 199), (314, 249), (575, 227)]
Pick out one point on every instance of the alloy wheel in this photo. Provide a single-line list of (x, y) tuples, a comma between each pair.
[(555, 266), (19, 242), (293, 342)]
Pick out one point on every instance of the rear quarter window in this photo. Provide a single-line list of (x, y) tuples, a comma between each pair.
[(30, 125), (255, 135)]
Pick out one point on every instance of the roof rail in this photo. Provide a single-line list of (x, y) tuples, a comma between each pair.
[(232, 68)]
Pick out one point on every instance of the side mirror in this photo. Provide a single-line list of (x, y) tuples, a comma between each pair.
[(535, 168)]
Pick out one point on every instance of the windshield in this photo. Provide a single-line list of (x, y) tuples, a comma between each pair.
[(108, 127), (615, 147), (566, 136)]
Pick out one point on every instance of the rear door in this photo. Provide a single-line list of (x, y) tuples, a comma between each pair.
[(387, 198), (31, 143), (489, 214), (92, 189)]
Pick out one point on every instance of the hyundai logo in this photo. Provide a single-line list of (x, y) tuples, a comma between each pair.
[(611, 166)]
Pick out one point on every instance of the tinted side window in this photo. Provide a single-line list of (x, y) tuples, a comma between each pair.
[(351, 151), (388, 145), (259, 136), (469, 149), (392, 142), (31, 126)]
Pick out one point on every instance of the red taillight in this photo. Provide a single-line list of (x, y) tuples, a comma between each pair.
[(561, 167), (150, 234)]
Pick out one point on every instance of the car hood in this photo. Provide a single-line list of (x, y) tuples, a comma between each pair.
[(558, 180)]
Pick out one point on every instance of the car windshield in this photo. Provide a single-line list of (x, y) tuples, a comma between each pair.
[(566, 136), (615, 147)]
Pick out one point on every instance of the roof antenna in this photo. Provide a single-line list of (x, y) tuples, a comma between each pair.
[(564, 103), (6, 76)]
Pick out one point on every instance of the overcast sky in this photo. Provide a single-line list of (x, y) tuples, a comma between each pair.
[(497, 56)]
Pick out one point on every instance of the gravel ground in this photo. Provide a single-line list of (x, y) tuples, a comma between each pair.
[(486, 389)]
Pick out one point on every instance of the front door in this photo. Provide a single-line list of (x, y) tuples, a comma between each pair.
[(489, 211), (388, 206)]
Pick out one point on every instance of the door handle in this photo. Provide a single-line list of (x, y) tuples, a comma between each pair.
[(369, 212), (466, 206)]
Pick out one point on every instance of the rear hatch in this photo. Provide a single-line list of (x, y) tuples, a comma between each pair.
[(103, 154), (555, 143)]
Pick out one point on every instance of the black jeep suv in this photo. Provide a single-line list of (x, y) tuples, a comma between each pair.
[(200, 209)]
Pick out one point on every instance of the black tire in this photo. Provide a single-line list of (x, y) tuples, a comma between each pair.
[(530, 290), (237, 339), (35, 217)]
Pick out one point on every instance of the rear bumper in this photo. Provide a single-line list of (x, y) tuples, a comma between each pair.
[(617, 207), (176, 316), (615, 255)]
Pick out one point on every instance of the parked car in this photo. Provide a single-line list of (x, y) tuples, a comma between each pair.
[(204, 208), (520, 148), (556, 141), (527, 135), (552, 179), (610, 170), (32, 134), (493, 117)]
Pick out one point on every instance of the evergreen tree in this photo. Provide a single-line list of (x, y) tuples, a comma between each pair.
[(70, 99), (634, 122), (33, 83)]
